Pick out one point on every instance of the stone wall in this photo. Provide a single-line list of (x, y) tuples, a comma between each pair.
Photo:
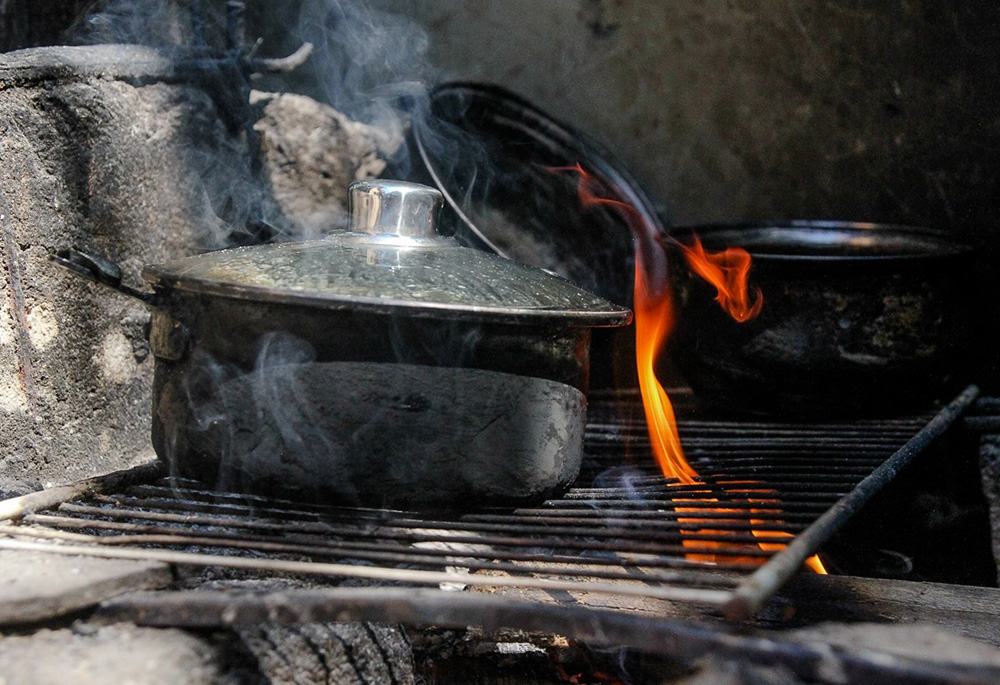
[(731, 110), (113, 149), (92, 158)]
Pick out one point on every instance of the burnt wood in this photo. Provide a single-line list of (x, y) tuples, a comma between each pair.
[(214, 609)]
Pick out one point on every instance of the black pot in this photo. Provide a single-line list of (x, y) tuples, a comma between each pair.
[(857, 319)]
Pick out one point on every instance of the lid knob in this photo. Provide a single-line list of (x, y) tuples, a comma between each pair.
[(394, 208)]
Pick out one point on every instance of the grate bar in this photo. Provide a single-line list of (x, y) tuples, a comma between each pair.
[(750, 596), (611, 515), (496, 522), (466, 557), (420, 531), (392, 575), (631, 533)]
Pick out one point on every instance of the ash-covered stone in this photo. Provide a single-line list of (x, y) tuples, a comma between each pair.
[(35, 586), (312, 153), (112, 654)]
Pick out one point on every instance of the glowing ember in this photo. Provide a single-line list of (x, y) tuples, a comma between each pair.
[(728, 271)]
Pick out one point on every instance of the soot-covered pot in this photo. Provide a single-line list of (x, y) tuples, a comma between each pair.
[(858, 319), (383, 365)]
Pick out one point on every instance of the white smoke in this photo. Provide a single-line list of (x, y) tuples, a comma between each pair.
[(367, 64)]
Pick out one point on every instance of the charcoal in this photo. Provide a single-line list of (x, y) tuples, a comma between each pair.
[(331, 653)]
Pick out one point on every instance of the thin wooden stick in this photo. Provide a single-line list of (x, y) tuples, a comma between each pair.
[(422, 607), (18, 507)]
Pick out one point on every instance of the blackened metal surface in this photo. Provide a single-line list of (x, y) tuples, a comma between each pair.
[(860, 319), (391, 435)]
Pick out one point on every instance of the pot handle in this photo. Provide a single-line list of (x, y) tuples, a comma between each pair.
[(168, 337), (99, 270)]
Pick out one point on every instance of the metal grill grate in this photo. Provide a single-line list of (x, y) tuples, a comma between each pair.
[(726, 542)]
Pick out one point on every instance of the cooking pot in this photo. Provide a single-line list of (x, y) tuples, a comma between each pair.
[(858, 318), (383, 365)]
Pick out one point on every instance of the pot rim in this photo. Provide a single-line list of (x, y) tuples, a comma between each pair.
[(828, 241)]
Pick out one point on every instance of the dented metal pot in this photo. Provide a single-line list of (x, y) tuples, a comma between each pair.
[(857, 319), (383, 365)]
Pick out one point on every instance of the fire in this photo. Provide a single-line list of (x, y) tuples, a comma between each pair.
[(728, 271), (654, 318), (813, 562)]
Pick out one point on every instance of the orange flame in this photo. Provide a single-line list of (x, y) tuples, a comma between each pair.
[(728, 271), (813, 562), (654, 319)]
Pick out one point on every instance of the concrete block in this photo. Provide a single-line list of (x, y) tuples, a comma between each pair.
[(35, 586)]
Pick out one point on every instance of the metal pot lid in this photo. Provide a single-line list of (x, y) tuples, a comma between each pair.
[(390, 261)]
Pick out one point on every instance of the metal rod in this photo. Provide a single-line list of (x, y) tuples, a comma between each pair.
[(409, 576), (983, 424), (639, 425), (133, 534), (710, 496), (432, 531), (541, 521), (616, 568), (611, 514), (615, 545), (687, 503), (751, 595), (988, 404)]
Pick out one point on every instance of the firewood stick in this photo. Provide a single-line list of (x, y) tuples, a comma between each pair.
[(17, 507)]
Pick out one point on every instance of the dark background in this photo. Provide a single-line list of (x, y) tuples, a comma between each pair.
[(724, 110)]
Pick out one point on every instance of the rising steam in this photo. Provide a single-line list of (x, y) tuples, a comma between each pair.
[(367, 64)]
